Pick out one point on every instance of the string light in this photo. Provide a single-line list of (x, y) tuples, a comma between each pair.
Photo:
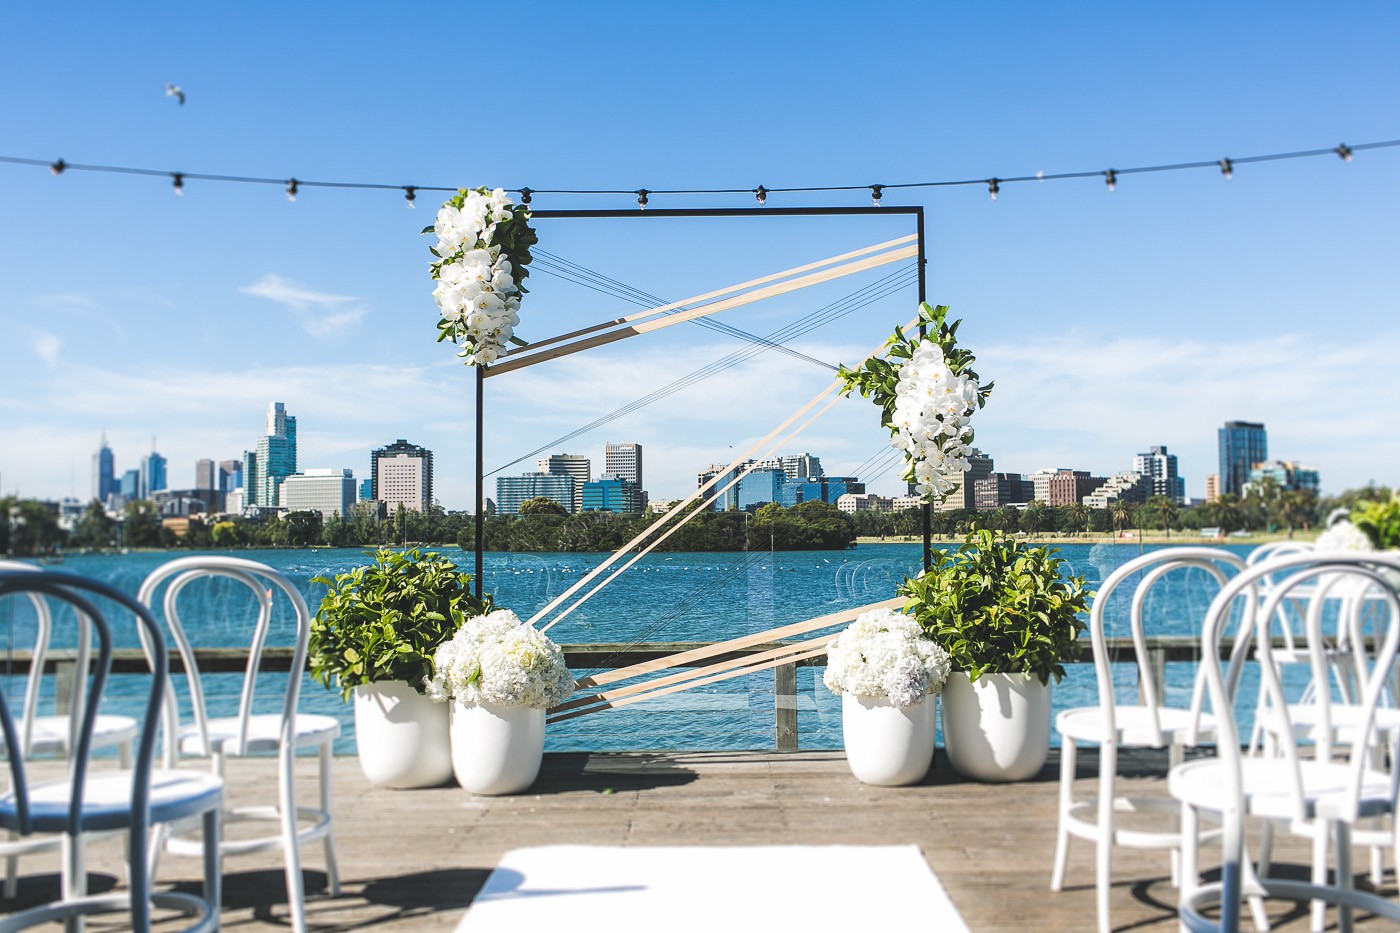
[(410, 194), (642, 198), (177, 181), (993, 187), (1226, 166)]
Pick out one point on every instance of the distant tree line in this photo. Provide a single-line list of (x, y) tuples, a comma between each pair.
[(29, 527)]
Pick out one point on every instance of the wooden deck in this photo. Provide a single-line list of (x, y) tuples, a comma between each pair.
[(412, 860)]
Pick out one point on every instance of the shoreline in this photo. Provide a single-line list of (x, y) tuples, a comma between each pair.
[(1127, 538)]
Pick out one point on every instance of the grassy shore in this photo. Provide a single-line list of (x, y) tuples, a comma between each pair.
[(1128, 537)]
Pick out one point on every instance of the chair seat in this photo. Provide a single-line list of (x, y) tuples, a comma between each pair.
[(50, 733), (312, 729), (1307, 725), (175, 795), (1268, 787), (1133, 726)]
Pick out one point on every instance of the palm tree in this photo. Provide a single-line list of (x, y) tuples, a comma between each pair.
[(1165, 510), (1078, 517), (1122, 515)]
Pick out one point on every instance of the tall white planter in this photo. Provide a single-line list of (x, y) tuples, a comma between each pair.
[(887, 745), (997, 729), (496, 749), (401, 736)]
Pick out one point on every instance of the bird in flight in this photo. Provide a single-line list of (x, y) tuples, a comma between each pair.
[(174, 91)]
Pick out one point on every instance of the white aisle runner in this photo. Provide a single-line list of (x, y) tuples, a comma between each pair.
[(712, 889)]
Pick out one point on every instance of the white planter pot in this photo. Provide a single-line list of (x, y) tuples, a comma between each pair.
[(496, 749), (887, 745), (997, 729), (401, 736)]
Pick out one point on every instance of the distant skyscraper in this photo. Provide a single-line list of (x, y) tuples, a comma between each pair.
[(152, 474), (514, 491), (104, 481), (575, 465), (402, 473), (130, 485), (624, 461), (273, 459), (802, 466), (230, 475), (1242, 445), (206, 475), (1161, 467)]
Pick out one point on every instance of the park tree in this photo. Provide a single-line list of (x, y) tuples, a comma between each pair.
[(542, 505), (95, 529), (141, 524)]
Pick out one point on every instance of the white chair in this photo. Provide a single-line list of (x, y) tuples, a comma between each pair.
[(131, 801), (1322, 797), (1151, 723), (54, 735), (250, 732)]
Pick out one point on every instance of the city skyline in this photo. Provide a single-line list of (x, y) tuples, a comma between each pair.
[(1109, 320)]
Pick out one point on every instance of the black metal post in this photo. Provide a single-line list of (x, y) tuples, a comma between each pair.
[(928, 509), (480, 480)]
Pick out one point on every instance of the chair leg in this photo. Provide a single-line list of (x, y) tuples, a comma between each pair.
[(332, 867), (291, 848), (213, 863), (1319, 873), (1103, 853), (1344, 869), (11, 870), (74, 883), (1190, 852), (1067, 754)]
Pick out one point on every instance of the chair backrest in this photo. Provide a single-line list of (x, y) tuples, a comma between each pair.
[(77, 593), (262, 580), (43, 632), (1299, 572), (1155, 567)]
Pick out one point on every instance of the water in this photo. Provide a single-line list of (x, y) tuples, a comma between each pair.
[(664, 598)]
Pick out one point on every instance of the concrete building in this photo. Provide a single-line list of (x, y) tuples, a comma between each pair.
[(576, 465), (206, 474), (801, 466), (402, 474), (1212, 487), (1126, 486), (625, 462), (1069, 487), (610, 494), (1040, 483), (513, 491), (999, 489), (863, 502), (330, 492), (1242, 445), (964, 492), (903, 503), (1160, 467), (182, 503), (727, 500)]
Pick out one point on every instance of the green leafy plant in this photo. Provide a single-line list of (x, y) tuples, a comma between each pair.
[(383, 621), (1380, 521), (998, 605)]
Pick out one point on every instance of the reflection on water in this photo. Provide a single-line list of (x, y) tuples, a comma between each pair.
[(663, 598)]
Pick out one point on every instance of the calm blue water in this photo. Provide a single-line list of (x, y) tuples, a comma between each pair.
[(667, 597)]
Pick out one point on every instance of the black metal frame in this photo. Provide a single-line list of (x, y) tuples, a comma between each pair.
[(916, 210)]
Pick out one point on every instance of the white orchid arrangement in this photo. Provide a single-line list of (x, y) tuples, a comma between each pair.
[(495, 658), (886, 655), (483, 249), (927, 392)]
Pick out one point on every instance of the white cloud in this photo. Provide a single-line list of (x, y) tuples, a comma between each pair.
[(46, 346), (315, 311)]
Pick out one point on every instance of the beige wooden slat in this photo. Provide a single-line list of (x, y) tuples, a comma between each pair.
[(510, 364), (734, 644), (690, 673), (752, 283), (628, 701)]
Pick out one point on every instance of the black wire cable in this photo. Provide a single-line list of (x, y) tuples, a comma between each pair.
[(761, 192)]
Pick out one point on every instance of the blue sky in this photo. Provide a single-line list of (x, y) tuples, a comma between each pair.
[(1110, 321)]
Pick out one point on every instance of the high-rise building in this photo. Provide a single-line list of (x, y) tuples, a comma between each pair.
[(153, 477), (273, 459), (802, 466), (514, 491), (577, 466), (610, 494), (624, 461), (761, 487), (1069, 487), (230, 475), (964, 492), (1242, 445), (724, 501), (1288, 475), (130, 485), (330, 492), (999, 489), (104, 480), (402, 474), (1212, 487), (1160, 466), (1040, 483), (206, 475)]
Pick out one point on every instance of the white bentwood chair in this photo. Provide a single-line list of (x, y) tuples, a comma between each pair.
[(1151, 723), (86, 802), (249, 732), (1324, 796)]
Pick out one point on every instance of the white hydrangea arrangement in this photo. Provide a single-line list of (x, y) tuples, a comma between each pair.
[(927, 391), (886, 655), (483, 249), (1343, 536), (497, 659)]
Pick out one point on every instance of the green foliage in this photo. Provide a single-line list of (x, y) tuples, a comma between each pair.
[(542, 505), (383, 621), (1000, 606), (808, 526), (1380, 521)]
